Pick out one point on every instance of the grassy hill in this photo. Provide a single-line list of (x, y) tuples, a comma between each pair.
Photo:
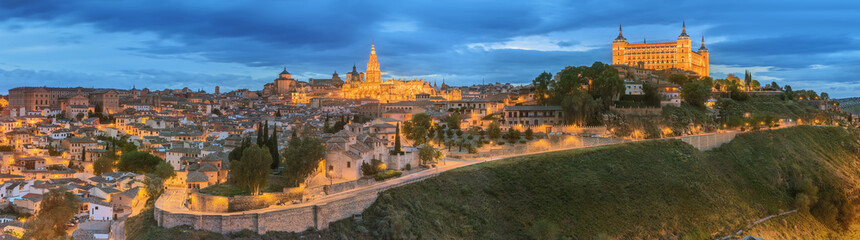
[(657, 189)]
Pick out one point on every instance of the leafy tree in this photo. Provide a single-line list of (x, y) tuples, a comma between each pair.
[(494, 130), (747, 80), (302, 157), (138, 162), (541, 84), (529, 133), (236, 153), (369, 169), (775, 86), (512, 135), (652, 96), (163, 170), (278, 113), (696, 93), (252, 171), (825, 96), (154, 186), (755, 85), (57, 208), (217, 112), (80, 116), (105, 164), (417, 128), (428, 154), (581, 108), (605, 83), (679, 79), (453, 120)]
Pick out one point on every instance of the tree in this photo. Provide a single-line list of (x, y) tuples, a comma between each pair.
[(755, 85), (80, 116), (696, 93), (57, 208), (236, 153), (138, 162), (529, 134), (747, 80), (252, 171), (83, 154), (105, 164), (217, 112), (512, 135), (273, 149), (154, 186), (278, 113), (453, 120), (369, 169), (416, 129), (494, 130), (825, 96), (301, 158), (679, 79), (605, 83), (163, 170), (428, 154), (397, 140), (541, 84), (652, 96)]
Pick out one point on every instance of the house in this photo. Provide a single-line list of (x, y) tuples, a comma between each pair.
[(128, 198), (29, 203), (174, 156), (105, 193), (532, 115), (100, 211), (345, 152)]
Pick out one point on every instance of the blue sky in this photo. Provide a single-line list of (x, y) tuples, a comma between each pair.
[(244, 44)]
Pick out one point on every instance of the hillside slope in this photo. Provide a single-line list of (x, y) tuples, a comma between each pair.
[(656, 189)]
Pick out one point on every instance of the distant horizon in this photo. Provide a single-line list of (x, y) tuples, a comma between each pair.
[(808, 45)]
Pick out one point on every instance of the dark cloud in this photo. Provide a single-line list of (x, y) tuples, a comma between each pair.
[(427, 38)]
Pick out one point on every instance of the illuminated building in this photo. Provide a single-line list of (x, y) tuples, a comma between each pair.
[(662, 55), (370, 85)]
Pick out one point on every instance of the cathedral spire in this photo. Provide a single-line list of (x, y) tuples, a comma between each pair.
[(684, 29), (620, 37), (703, 48), (373, 74)]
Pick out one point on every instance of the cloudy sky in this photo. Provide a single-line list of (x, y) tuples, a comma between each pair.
[(244, 44)]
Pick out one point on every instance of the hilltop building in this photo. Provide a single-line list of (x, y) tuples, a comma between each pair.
[(370, 85), (662, 55)]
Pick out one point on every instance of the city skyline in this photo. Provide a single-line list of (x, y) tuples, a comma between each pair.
[(104, 45)]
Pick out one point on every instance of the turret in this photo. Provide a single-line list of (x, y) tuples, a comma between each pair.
[(618, 48)]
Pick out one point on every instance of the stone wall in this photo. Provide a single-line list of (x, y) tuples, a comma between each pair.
[(220, 204), (295, 218)]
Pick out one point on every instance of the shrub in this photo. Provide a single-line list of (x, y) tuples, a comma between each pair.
[(387, 175), (372, 168), (470, 137), (501, 143), (522, 141), (408, 166)]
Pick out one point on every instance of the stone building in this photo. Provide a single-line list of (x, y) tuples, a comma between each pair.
[(36, 98), (370, 85), (662, 55)]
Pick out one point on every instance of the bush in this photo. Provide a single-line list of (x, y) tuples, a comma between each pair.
[(408, 166), (387, 175), (372, 168), (522, 141), (500, 143)]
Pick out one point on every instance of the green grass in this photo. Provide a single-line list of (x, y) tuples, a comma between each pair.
[(647, 190), (658, 189)]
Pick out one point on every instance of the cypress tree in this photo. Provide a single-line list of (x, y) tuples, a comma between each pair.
[(260, 138), (273, 149), (83, 154), (397, 139)]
